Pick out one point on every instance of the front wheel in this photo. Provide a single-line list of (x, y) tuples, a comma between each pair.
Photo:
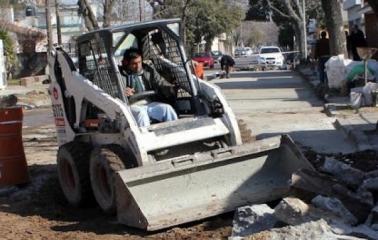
[(105, 162)]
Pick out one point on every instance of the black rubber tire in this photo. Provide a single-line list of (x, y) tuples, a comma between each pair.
[(73, 173), (105, 161), (245, 132)]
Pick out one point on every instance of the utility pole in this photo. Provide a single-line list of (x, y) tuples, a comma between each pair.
[(58, 29), (48, 26), (305, 29)]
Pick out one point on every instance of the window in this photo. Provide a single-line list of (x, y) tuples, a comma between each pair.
[(269, 50), (130, 41)]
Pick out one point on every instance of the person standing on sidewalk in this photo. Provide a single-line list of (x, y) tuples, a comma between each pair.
[(357, 39), (322, 54), (227, 64)]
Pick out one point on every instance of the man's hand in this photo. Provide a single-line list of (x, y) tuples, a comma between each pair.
[(129, 91)]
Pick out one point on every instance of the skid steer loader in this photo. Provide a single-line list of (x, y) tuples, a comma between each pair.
[(170, 172)]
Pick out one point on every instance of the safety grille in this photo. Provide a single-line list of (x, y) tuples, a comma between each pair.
[(94, 65), (165, 54)]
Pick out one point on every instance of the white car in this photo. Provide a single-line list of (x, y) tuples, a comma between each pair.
[(248, 51), (271, 56)]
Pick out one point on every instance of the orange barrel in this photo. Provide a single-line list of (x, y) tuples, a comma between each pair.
[(13, 166)]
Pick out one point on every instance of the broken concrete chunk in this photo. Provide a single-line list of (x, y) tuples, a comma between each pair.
[(372, 220), (335, 206), (374, 227), (371, 174), (292, 211), (370, 184), (313, 230), (343, 172), (364, 232), (252, 219), (312, 182), (365, 196)]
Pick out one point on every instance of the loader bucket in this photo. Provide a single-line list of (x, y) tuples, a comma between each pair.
[(190, 188)]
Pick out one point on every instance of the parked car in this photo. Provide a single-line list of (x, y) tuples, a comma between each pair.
[(205, 58), (271, 56), (240, 52), (248, 51), (217, 55)]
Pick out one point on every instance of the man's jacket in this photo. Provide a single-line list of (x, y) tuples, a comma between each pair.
[(152, 80)]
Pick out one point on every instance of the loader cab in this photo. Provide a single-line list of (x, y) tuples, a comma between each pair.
[(161, 49), (100, 55)]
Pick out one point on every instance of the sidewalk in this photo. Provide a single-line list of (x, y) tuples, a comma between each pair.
[(359, 126), (35, 95)]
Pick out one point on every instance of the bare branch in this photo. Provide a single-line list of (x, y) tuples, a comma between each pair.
[(277, 10), (291, 11)]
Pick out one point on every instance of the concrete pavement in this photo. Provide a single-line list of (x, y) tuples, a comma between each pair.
[(278, 102), (359, 126)]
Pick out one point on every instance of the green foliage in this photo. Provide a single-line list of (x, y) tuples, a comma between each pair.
[(285, 36), (5, 3), (204, 20), (258, 11), (8, 49)]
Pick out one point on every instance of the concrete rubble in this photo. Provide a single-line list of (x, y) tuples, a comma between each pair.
[(339, 203), (253, 219), (313, 230), (343, 172), (334, 206)]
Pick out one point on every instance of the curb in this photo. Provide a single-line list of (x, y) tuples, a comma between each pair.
[(211, 76), (331, 109), (358, 137)]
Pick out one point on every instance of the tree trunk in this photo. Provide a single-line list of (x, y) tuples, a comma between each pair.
[(184, 21), (208, 44), (335, 27), (374, 6), (89, 18), (300, 38), (108, 6)]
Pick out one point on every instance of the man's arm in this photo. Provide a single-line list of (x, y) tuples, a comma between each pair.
[(160, 83)]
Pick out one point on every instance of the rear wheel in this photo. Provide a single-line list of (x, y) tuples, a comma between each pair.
[(105, 162), (73, 172)]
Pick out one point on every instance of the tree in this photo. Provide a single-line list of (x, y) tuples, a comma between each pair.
[(293, 12), (88, 15), (201, 19), (9, 51), (335, 27), (108, 7), (258, 11), (109, 14), (256, 33)]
